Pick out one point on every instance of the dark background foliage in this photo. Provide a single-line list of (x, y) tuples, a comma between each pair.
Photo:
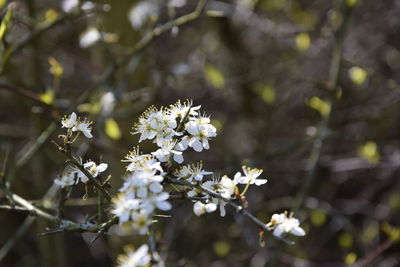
[(265, 72)]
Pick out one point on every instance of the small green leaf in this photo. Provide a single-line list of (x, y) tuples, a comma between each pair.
[(6, 21), (2, 3), (112, 129), (318, 217), (358, 75), (345, 240), (50, 15), (214, 76), (266, 92), (221, 248), (217, 124), (394, 201), (350, 258), (370, 232), (55, 67), (351, 3), (392, 231), (47, 97), (303, 41), (89, 108), (370, 152), (320, 105)]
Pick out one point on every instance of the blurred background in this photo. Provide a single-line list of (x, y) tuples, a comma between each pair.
[(306, 90)]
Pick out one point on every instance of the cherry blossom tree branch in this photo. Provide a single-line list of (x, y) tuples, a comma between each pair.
[(239, 208), (64, 225), (77, 164)]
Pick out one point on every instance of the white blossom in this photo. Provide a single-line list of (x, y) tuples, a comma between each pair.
[(92, 168), (134, 158), (167, 150), (73, 123), (123, 205), (107, 103), (86, 6), (199, 208), (190, 172), (283, 224), (70, 121), (200, 131), (149, 164), (179, 110), (228, 187), (84, 127), (66, 179), (142, 12), (250, 176), (69, 5), (156, 201), (141, 222), (221, 204), (141, 179), (139, 258), (177, 3), (89, 37)]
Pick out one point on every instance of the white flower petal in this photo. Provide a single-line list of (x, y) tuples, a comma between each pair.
[(178, 158), (298, 231), (164, 205)]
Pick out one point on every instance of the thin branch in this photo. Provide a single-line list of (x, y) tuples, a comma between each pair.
[(374, 253), (24, 92), (142, 44), (25, 40), (34, 210), (239, 208), (153, 249), (16, 236), (30, 151), (13, 208), (333, 83)]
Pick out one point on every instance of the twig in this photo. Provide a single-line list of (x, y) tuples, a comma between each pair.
[(65, 225), (13, 208), (3, 170), (153, 249), (184, 197), (34, 210), (30, 151), (374, 253), (17, 235), (23, 92)]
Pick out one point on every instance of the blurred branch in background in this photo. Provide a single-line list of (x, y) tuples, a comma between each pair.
[(258, 66), (333, 87)]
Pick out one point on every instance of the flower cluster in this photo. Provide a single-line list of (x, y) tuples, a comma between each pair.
[(142, 192), (146, 183), (281, 224), (72, 175), (75, 124), (131, 258), (174, 129), (224, 186), (192, 172)]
